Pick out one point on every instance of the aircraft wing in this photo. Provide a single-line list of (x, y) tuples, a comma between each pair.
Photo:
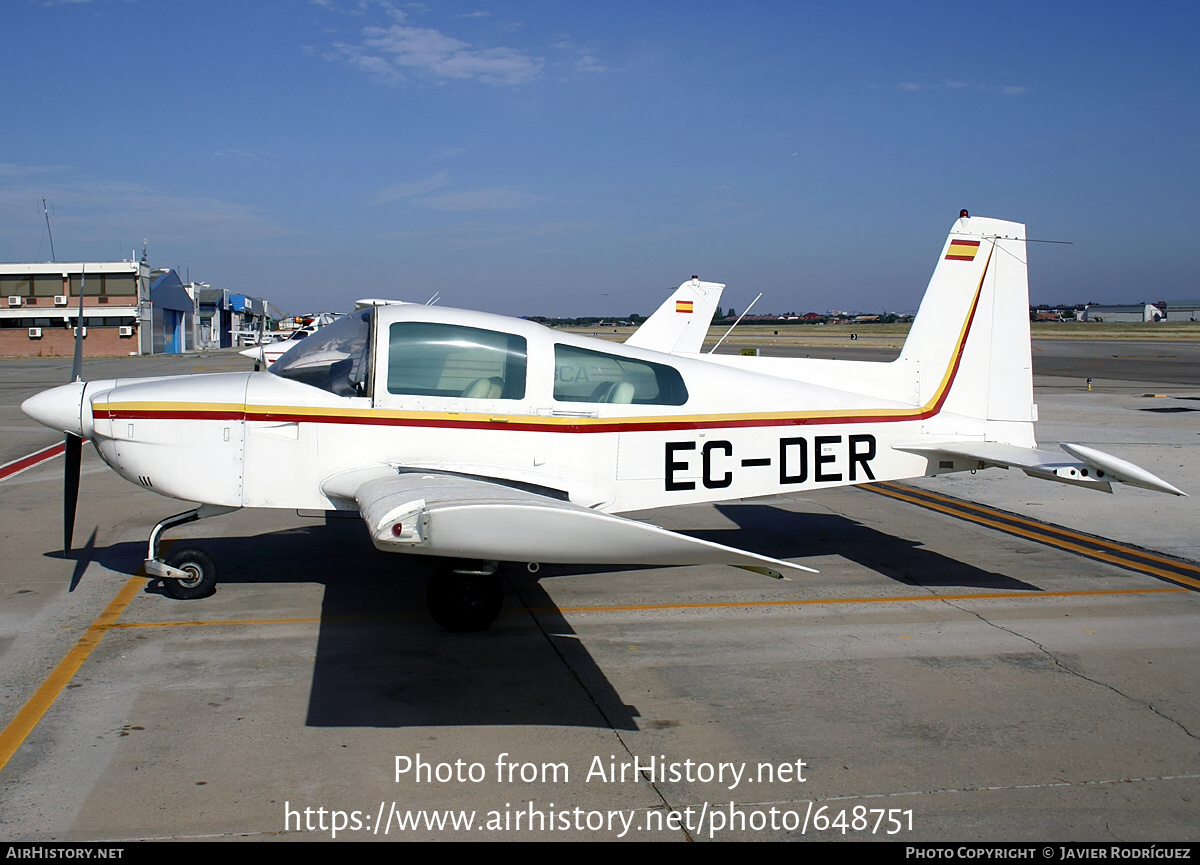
[(1089, 468), (451, 515)]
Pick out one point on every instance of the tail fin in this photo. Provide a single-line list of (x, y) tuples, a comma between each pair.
[(969, 344), (681, 323)]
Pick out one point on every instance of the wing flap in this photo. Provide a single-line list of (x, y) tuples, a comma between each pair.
[(448, 515)]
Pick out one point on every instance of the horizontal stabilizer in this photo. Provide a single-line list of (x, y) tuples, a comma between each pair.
[(1090, 468), (449, 515), (1121, 470), (368, 302)]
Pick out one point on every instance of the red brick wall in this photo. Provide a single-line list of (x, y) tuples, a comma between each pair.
[(60, 342)]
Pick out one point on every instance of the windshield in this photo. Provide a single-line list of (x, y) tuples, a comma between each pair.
[(334, 358)]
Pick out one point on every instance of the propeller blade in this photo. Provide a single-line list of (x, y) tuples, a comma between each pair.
[(73, 457)]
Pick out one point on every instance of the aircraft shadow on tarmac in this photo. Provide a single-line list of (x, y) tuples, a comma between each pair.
[(382, 662), (785, 534)]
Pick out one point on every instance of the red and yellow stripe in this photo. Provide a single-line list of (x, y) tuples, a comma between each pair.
[(164, 410)]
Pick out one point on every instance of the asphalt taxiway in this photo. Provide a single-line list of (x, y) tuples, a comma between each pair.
[(944, 677)]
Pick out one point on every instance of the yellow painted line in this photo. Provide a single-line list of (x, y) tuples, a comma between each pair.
[(883, 599), (950, 501), (279, 620), (22, 725), (949, 506), (31, 713), (674, 605)]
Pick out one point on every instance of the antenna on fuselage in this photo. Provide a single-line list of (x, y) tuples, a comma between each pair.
[(735, 324)]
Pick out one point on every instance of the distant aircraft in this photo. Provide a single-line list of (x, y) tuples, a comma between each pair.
[(480, 438), (266, 353), (681, 323)]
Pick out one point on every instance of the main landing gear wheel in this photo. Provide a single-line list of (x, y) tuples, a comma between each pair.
[(466, 597), (202, 574)]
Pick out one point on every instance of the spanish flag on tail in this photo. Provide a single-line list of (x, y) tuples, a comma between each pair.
[(962, 250)]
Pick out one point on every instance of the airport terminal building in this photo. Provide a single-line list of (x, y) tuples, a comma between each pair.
[(128, 309), (39, 305)]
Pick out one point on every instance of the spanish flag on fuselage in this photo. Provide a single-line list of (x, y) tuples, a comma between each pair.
[(962, 250), (683, 306)]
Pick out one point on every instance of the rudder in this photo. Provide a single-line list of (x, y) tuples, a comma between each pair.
[(969, 344)]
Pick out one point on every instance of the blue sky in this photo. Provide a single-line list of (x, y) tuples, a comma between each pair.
[(578, 158)]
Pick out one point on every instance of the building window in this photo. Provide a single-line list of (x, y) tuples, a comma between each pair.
[(19, 285), (47, 285)]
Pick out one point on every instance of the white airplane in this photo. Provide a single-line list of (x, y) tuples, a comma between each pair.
[(266, 353), (480, 438)]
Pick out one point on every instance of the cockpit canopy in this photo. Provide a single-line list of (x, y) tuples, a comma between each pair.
[(464, 361), (335, 358)]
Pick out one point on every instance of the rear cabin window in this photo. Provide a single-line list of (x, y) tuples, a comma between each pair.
[(430, 359), (583, 375)]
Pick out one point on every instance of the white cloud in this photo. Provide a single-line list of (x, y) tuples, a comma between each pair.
[(588, 63), (480, 199), (585, 58), (408, 190), (952, 84), (376, 67), (387, 53), (246, 157)]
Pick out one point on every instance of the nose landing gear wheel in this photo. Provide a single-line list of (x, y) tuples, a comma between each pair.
[(202, 579), (464, 600)]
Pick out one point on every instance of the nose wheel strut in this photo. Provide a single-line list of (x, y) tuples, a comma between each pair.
[(188, 572)]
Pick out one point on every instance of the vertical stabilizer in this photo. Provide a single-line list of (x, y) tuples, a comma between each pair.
[(681, 323), (969, 344)]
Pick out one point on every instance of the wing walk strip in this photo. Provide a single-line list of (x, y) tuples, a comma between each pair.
[(1178, 571)]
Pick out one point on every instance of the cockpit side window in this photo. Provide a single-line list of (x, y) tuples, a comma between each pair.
[(450, 360), (583, 375), (334, 358)]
